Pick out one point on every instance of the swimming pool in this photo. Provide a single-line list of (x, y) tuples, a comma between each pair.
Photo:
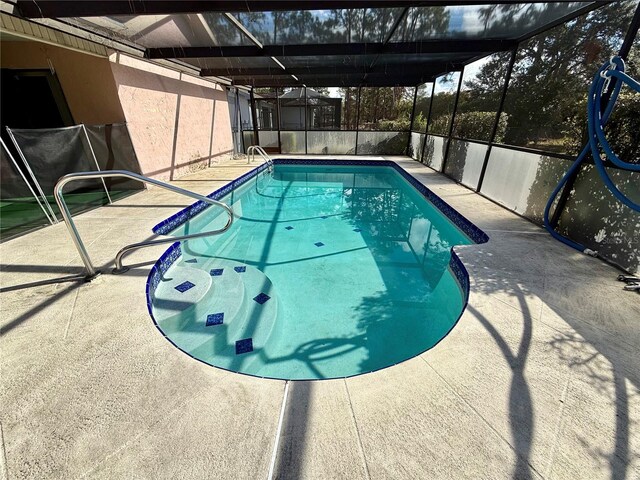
[(328, 271)]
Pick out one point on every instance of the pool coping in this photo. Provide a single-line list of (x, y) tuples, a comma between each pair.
[(174, 252)]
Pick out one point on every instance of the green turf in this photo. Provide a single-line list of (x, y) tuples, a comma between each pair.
[(19, 215)]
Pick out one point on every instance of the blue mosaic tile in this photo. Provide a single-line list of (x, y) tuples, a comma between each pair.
[(162, 265), (173, 222), (184, 215), (261, 298), (357, 229), (241, 269), (288, 228), (244, 346), (215, 319), (184, 286), (216, 272), (319, 244), (191, 260), (459, 272)]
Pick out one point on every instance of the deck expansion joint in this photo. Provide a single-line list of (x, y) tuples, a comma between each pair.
[(355, 424)]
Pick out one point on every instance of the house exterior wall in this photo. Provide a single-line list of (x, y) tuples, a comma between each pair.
[(86, 80), (177, 123)]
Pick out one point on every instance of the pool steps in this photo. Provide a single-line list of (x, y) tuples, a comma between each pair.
[(182, 316), (167, 301)]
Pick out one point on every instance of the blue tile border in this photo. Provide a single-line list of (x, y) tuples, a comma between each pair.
[(468, 228), (460, 274), (167, 259), (184, 215)]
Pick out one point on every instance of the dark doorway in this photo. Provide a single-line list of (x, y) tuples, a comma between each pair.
[(33, 99), (28, 99)]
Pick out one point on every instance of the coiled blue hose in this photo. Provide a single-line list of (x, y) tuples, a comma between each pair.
[(614, 68)]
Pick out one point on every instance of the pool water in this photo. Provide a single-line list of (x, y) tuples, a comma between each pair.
[(326, 272)]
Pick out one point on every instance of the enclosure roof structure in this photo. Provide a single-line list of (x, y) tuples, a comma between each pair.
[(314, 43)]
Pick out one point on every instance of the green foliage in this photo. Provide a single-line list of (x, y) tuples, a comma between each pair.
[(546, 100), (386, 108), (552, 76), (419, 122), (623, 129), (349, 107), (440, 125), (477, 125), (397, 125), (441, 112)]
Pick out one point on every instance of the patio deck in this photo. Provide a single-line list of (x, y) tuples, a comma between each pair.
[(539, 379)]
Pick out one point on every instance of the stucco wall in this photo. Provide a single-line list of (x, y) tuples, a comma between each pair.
[(86, 80), (177, 123)]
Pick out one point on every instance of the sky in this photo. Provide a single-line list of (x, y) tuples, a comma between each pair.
[(469, 71)]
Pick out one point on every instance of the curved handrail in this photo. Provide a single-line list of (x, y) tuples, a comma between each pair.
[(257, 148), (75, 236)]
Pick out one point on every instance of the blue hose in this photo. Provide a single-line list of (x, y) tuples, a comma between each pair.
[(597, 140)]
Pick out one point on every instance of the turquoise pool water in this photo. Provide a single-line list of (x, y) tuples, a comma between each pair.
[(327, 271)]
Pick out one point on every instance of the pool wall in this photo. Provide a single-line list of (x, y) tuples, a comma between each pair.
[(174, 252)]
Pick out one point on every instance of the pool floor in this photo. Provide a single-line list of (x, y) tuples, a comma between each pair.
[(352, 264)]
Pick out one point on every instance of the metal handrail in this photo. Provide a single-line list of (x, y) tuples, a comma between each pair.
[(75, 236), (257, 148)]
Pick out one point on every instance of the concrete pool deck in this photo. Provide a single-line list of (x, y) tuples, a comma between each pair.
[(539, 379)]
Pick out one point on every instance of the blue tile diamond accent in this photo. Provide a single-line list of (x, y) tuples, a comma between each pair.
[(216, 272), (319, 244), (215, 319), (244, 346), (288, 228), (261, 298), (240, 269), (184, 286), (191, 260)]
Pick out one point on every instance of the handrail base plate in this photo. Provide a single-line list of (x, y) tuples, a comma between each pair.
[(89, 278)]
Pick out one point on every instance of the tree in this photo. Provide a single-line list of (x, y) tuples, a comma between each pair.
[(385, 108), (546, 101)]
